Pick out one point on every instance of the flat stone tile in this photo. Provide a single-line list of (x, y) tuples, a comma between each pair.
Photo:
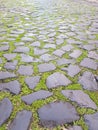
[(57, 113), (88, 47), (9, 56), (67, 48), (5, 110), (47, 57), (93, 55), (81, 98), (50, 46), (19, 44), (57, 79), (39, 51), (21, 121), (4, 48), (26, 39), (92, 121), (59, 41), (21, 49), (6, 74), (89, 63), (39, 95), (0, 61), (11, 65), (88, 81), (25, 70), (26, 58), (12, 87), (35, 44), (64, 61), (58, 53), (32, 81), (75, 54), (75, 128)]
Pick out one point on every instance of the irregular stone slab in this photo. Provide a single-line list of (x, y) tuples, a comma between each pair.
[(9, 56), (47, 57), (52, 34), (57, 113), (26, 58), (88, 81), (5, 110), (72, 70), (64, 61), (13, 87), (11, 65), (59, 41), (58, 53), (57, 79), (50, 46), (92, 121), (0, 61), (4, 48), (46, 67), (22, 49), (75, 128), (32, 81), (81, 98), (75, 53), (21, 121), (5, 75), (19, 44), (35, 44), (67, 48), (19, 31), (89, 63), (42, 94), (39, 51), (25, 70), (26, 39), (88, 47), (93, 54)]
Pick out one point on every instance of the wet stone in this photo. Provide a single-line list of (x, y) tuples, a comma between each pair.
[(72, 70), (89, 63), (57, 79), (25, 70), (57, 113), (32, 81), (67, 48), (26, 58), (11, 65), (88, 81), (12, 87), (58, 53), (81, 98), (75, 128), (93, 54), (92, 121), (39, 51), (88, 47), (5, 75), (75, 53), (4, 48), (46, 67), (35, 44), (9, 56), (22, 49), (39, 95), (47, 57), (5, 110), (64, 61), (21, 121), (59, 41)]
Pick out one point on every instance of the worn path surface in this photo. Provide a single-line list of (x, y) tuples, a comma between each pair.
[(48, 65)]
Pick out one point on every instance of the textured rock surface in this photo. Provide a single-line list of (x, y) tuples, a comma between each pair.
[(5, 75)]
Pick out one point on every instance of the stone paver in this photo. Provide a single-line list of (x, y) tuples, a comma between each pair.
[(57, 113), (5, 75), (11, 65), (9, 56)]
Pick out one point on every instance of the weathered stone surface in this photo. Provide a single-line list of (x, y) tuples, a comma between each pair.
[(93, 54), (59, 41), (58, 53), (52, 34), (26, 58), (88, 47), (63, 61), (57, 79), (50, 46), (25, 70), (47, 57), (35, 44), (89, 63), (12, 86), (92, 121), (4, 48), (42, 94), (81, 98), (0, 61), (19, 44), (67, 48), (88, 81), (21, 121), (11, 65), (6, 74), (57, 113), (32, 81), (75, 128), (75, 53), (9, 56), (22, 49), (26, 39), (39, 51), (5, 110), (46, 67)]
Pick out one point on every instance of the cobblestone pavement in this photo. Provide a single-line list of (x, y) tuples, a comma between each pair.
[(48, 65)]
